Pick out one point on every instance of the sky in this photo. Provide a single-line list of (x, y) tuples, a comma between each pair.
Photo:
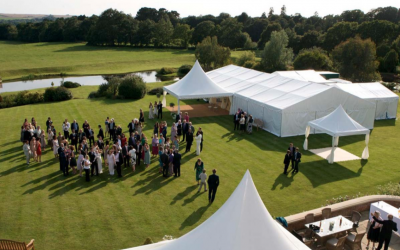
[(189, 7)]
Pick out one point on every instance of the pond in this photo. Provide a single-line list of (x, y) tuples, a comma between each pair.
[(148, 76)]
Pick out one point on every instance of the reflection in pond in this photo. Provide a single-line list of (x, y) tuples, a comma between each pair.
[(148, 76)]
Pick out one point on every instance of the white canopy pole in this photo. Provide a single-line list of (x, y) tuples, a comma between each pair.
[(336, 141), (179, 108), (164, 101), (307, 133), (331, 158), (365, 153)]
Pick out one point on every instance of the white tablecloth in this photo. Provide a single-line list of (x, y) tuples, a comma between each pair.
[(346, 225), (385, 209)]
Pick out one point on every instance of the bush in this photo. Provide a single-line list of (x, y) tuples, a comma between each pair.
[(69, 84), (155, 91), (21, 98), (249, 64), (148, 241), (92, 95), (247, 56), (57, 94), (132, 87), (166, 71), (184, 69), (1, 98), (389, 85), (313, 58), (102, 91)]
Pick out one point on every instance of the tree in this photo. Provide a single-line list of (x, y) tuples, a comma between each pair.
[(243, 18), (356, 60), (276, 55), (132, 87), (390, 14), (211, 55), (352, 16), (391, 61), (147, 13), (245, 57), (231, 33), (71, 30), (163, 32), (256, 28), (12, 32), (338, 33), (107, 29), (396, 45), (183, 32), (266, 34), (203, 30), (283, 10), (314, 58), (310, 39), (145, 32), (377, 30)]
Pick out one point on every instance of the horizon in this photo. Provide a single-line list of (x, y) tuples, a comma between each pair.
[(185, 9)]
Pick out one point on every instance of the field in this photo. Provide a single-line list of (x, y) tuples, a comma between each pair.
[(26, 16), (21, 59), (110, 213)]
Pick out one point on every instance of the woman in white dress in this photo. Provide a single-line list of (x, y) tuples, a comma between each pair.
[(174, 131), (155, 109), (151, 110), (80, 162), (55, 146), (98, 158), (50, 136), (111, 162), (198, 142)]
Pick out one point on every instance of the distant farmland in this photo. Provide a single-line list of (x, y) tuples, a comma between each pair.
[(27, 16)]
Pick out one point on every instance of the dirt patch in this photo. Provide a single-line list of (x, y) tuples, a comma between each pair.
[(200, 110)]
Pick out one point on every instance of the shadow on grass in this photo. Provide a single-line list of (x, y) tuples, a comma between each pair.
[(194, 217), (385, 123), (319, 173), (283, 180), (11, 142), (152, 183), (183, 194)]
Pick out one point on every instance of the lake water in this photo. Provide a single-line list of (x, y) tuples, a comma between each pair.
[(148, 76)]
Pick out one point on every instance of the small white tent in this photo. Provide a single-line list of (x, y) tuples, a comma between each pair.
[(242, 222), (385, 100), (338, 123), (195, 85)]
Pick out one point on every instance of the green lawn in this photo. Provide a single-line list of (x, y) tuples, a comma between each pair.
[(21, 59), (110, 213)]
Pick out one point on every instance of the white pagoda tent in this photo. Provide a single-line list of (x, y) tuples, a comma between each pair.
[(243, 222), (195, 85), (338, 123)]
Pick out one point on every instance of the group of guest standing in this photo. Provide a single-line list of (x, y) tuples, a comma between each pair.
[(243, 122), (293, 156)]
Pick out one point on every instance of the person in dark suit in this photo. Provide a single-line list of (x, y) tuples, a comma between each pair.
[(200, 132), (292, 150), (131, 127), (61, 155), (189, 140), (286, 161), (73, 137), (386, 232), (48, 124), (93, 161), (177, 163), (125, 155), (81, 135), (100, 143), (75, 126), (191, 127), (213, 183), (101, 132), (178, 117), (132, 140), (185, 129), (159, 107), (297, 160), (141, 116), (90, 136), (236, 118), (138, 149), (118, 160), (165, 162)]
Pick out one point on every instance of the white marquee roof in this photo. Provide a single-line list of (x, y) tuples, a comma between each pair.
[(243, 222), (373, 90), (338, 123), (195, 85), (303, 75)]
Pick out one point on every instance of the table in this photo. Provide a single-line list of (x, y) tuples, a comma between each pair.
[(385, 209), (324, 232)]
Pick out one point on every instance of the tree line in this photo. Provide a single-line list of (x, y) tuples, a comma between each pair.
[(315, 35)]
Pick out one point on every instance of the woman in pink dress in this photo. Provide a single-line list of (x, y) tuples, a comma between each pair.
[(186, 116), (154, 144)]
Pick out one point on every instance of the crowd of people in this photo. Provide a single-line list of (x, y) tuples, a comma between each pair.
[(80, 149), (243, 122)]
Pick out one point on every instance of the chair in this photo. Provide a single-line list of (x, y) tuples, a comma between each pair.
[(335, 244), (307, 242), (355, 218), (326, 213), (354, 241), (15, 245), (309, 218)]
